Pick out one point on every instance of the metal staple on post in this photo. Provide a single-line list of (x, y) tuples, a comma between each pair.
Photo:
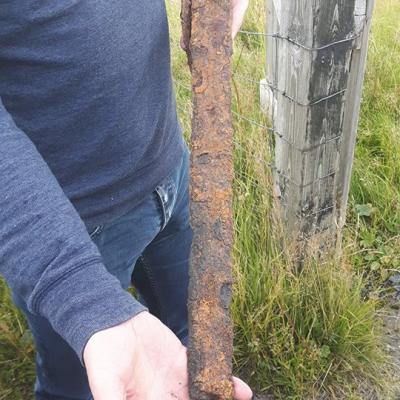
[(207, 38)]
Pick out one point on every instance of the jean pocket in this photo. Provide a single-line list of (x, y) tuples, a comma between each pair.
[(96, 231), (166, 194)]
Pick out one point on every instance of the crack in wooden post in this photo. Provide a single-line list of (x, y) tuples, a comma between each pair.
[(207, 38)]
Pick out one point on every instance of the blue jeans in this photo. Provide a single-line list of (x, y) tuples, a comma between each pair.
[(148, 247)]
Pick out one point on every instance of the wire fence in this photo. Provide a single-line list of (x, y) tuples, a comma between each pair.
[(249, 80)]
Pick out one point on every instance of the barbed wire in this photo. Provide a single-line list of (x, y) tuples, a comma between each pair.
[(264, 82), (277, 35), (271, 165), (270, 129), (278, 138)]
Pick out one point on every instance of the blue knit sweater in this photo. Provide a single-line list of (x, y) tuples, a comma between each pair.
[(88, 128)]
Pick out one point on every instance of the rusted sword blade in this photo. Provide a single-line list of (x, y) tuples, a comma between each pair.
[(208, 25)]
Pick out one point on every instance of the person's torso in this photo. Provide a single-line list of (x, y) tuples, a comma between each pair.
[(89, 82)]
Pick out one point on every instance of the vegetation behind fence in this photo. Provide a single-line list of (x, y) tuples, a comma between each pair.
[(297, 335)]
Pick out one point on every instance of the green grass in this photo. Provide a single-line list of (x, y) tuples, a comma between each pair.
[(374, 239), (303, 335), (298, 335), (16, 352)]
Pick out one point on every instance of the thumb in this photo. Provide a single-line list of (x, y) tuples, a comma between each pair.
[(183, 44), (108, 389), (242, 391), (238, 13)]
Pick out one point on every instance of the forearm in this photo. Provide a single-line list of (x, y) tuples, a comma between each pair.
[(46, 254)]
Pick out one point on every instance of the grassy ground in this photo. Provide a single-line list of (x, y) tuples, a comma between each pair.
[(298, 335), (303, 335), (373, 233)]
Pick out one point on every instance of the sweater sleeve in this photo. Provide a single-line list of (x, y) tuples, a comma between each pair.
[(46, 255)]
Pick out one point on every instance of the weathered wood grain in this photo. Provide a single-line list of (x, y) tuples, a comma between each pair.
[(314, 84), (351, 115)]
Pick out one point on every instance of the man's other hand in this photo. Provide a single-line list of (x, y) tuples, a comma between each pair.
[(239, 8), (141, 359)]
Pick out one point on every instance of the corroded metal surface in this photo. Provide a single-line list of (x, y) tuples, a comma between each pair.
[(186, 19), (208, 25)]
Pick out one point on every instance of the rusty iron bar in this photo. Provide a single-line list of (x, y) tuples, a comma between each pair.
[(208, 42)]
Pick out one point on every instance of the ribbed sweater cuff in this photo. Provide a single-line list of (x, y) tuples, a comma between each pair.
[(86, 301)]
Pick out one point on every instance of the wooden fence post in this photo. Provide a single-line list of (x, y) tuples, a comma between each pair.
[(316, 54)]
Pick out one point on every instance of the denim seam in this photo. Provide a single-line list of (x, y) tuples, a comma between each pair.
[(36, 301), (152, 283)]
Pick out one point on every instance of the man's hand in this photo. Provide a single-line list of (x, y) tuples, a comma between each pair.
[(141, 359), (239, 8)]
